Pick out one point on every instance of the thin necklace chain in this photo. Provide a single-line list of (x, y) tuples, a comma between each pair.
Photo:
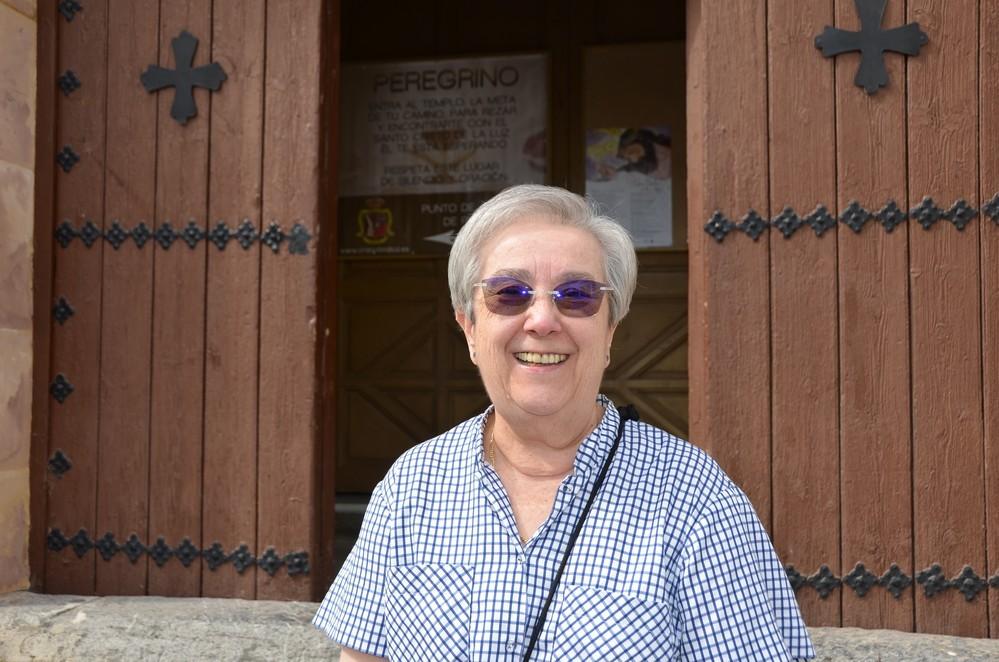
[(491, 444), (491, 457)]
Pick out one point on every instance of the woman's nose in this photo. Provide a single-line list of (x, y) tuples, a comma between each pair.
[(542, 315)]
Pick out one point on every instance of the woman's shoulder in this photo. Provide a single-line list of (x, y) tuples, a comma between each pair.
[(447, 454), (687, 473)]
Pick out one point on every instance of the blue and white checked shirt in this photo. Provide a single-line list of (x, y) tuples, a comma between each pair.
[(672, 562)]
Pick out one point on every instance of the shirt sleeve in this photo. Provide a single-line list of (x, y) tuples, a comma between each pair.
[(352, 613), (735, 601)]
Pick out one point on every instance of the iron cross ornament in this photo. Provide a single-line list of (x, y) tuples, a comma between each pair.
[(872, 42), (183, 78)]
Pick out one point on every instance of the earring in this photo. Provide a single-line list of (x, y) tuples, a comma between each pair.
[(608, 359), (471, 354)]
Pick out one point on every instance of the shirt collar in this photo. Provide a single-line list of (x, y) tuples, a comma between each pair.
[(479, 438), (594, 448)]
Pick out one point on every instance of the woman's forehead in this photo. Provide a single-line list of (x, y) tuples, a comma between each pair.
[(533, 247), (527, 275)]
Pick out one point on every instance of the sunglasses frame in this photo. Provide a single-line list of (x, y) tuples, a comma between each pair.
[(556, 295)]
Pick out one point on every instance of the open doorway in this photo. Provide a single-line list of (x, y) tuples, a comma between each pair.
[(403, 373)]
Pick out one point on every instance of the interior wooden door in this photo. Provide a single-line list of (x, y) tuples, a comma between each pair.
[(649, 356), (404, 374)]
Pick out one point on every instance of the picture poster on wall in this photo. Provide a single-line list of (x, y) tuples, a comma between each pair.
[(628, 174), (422, 144)]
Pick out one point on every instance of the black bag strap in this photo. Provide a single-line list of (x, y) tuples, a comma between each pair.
[(627, 413)]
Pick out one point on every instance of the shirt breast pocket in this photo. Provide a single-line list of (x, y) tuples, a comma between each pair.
[(597, 624), (427, 612)]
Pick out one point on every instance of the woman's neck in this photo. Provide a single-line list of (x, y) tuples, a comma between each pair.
[(539, 449)]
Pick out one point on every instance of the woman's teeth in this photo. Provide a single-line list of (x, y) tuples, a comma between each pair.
[(535, 357)]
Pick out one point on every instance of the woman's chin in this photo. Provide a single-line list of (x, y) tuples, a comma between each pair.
[(541, 402)]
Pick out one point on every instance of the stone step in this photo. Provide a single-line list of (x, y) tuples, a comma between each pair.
[(67, 627)]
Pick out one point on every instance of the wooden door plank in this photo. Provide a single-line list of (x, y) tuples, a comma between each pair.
[(483, 27), (946, 305), (566, 137), (875, 479), (72, 498), (229, 510), (989, 168), (177, 399), (327, 269), (123, 467), (729, 294), (407, 353), (287, 469), (43, 272), (648, 365), (806, 524)]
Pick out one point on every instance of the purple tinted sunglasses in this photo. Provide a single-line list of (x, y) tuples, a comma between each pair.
[(505, 295)]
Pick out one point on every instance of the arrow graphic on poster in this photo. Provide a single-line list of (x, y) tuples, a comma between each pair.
[(443, 237)]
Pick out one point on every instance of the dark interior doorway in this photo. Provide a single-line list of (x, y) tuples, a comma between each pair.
[(405, 378)]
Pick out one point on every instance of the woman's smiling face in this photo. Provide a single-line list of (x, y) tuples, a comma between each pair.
[(540, 362)]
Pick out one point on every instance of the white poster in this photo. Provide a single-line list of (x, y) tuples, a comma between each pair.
[(628, 173), (443, 126)]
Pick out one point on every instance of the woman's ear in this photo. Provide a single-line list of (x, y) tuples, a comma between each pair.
[(466, 324), (468, 327), (610, 341)]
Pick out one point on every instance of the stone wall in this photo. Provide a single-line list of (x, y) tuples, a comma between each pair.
[(61, 627), (18, 80)]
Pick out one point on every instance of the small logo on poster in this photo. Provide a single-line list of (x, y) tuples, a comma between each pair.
[(374, 222)]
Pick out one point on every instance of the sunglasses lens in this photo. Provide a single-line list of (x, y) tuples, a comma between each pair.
[(507, 296), (579, 298)]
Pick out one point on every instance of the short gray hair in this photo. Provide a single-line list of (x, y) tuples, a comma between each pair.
[(558, 206)]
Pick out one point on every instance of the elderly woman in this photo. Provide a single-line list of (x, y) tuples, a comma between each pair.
[(550, 526)]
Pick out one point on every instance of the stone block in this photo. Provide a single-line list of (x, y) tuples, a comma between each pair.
[(53, 627), (27, 7), (14, 572), (15, 441), (17, 226), (18, 83), (15, 400)]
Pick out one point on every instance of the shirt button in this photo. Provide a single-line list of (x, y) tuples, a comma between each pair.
[(512, 647)]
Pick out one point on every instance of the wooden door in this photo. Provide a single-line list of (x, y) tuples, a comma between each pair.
[(182, 432), (843, 335)]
